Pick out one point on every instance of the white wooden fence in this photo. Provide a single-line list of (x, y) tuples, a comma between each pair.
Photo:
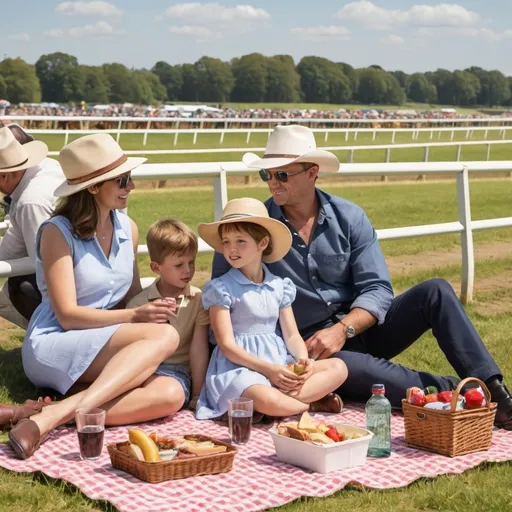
[(234, 121), (218, 171), (221, 132), (351, 149)]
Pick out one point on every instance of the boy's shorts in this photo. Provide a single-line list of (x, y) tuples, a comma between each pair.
[(177, 372)]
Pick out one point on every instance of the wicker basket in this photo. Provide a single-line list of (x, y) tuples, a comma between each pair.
[(155, 472), (450, 432)]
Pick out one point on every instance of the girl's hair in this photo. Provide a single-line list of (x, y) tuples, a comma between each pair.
[(82, 212), (255, 231)]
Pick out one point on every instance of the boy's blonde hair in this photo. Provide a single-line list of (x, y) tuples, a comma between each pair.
[(170, 236)]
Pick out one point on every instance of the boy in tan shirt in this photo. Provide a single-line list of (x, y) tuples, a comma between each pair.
[(172, 247)]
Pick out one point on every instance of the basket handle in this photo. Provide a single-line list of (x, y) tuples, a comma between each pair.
[(463, 382)]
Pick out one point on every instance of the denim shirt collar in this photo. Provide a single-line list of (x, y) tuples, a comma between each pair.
[(268, 277)]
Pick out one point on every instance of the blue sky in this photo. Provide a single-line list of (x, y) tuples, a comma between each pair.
[(396, 34)]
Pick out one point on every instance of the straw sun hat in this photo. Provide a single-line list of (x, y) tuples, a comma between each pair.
[(292, 144), (92, 159), (17, 157), (247, 209)]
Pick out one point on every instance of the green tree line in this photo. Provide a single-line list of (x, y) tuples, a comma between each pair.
[(59, 77)]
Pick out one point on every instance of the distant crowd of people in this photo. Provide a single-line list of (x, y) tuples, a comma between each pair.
[(219, 112)]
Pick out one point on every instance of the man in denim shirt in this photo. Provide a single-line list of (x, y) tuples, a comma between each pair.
[(345, 305)]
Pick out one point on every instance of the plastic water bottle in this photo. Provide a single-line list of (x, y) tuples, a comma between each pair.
[(378, 421)]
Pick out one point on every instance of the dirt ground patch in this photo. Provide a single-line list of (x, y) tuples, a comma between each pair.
[(426, 260)]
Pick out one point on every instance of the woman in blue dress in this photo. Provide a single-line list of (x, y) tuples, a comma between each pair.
[(245, 305), (86, 269)]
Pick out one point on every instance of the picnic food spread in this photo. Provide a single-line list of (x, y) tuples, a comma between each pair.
[(430, 398), (309, 430), (153, 448)]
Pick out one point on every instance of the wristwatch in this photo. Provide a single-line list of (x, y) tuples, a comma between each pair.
[(350, 331)]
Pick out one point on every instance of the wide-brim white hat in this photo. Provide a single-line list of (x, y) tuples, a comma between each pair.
[(17, 157), (292, 144), (92, 159), (247, 209)]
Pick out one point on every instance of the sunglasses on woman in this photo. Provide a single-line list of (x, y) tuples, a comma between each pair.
[(282, 176), (123, 180)]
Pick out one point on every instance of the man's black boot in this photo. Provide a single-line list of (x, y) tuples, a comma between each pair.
[(501, 395)]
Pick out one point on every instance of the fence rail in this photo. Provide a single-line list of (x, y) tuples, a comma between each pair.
[(220, 170), (351, 149), (255, 121)]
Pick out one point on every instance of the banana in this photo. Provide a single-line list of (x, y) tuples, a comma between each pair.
[(145, 443)]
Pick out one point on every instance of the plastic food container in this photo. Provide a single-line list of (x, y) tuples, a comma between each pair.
[(326, 457)]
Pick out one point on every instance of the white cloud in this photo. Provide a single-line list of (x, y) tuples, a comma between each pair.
[(392, 39), (485, 34), (380, 18), (99, 29), (23, 36), (213, 12), (321, 33), (213, 21), (96, 8), (198, 32)]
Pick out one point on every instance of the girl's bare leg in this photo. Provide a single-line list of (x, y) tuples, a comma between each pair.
[(328, 375), (128, 359)]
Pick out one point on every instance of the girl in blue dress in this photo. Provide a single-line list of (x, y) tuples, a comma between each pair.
[(245, 305), (86, 269)]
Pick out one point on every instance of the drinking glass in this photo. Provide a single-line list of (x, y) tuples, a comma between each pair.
[(90, 426), (240, 419)]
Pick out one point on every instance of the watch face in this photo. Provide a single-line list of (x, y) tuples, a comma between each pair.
[(351, 332)]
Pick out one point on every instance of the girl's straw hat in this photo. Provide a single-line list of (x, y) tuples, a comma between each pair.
[(92, 159), (247, 209), (17, 157)]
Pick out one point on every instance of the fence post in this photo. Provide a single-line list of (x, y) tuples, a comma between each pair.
[(66, 137), (220, 193), (326, 135), (248, 137), (176, 137), (195, 138), (145, 139), (374, 134), (468, 257), (346, 136), (222, 137), (488, 153), (119, 126), (388, 155), (459, 150), (393, 137), (350, 158)]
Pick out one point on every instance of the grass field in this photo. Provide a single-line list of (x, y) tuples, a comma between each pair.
[(388, 205), (258, 140)]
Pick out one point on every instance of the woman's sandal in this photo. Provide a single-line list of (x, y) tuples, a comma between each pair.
[(10, 415), (329, 403)]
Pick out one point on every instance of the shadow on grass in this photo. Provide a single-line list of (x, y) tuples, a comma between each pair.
[(13, 382)]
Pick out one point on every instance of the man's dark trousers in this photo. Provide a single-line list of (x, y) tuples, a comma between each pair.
[(429, 305), (24, 294)]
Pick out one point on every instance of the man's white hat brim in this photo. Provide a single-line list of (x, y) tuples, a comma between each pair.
[(36, 152), (326, 161)]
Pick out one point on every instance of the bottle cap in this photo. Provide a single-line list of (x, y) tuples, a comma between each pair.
[(378, 389)]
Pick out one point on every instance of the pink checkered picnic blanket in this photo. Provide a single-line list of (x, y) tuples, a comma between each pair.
[(258, 480)]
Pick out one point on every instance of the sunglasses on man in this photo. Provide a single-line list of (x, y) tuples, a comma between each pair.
[(282, 176), (123, 180)]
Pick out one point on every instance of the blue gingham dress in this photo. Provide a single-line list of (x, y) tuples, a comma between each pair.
[(254, 312), (56, 358)]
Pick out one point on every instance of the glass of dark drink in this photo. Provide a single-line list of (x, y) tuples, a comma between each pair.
[(90, 426), (240, 419)]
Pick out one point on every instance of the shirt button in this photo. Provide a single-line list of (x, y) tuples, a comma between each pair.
[(313, 278), (111, 282), (329, 303)]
